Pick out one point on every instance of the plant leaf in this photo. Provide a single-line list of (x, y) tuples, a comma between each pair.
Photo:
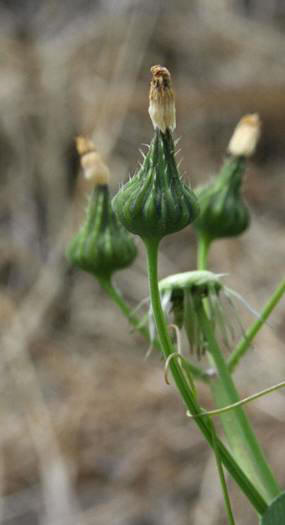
[(275, 513)]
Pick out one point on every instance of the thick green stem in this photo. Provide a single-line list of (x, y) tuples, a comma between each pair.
[(250, 334), (238, 431), (118, 299), (187, 395)]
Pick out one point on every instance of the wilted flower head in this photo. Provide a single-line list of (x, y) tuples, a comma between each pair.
[(161, 100), (182, 296)]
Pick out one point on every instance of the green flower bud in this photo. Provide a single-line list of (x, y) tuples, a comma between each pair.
[(102, 245), (156, 202), (223, 212)]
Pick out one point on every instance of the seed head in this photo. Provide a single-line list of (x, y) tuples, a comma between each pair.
[(94, 167), (182, 297), (245, 136), (161, 100)]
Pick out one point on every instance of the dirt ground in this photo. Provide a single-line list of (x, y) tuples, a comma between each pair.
[(90, 432)]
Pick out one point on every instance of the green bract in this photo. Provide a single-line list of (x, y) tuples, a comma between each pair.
[(223, 212), (102, 245), (156, 202)]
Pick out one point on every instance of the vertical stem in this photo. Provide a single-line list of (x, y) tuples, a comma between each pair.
[(203, 249), (223, 482), (239, 433), (187, 395), (238, 430)]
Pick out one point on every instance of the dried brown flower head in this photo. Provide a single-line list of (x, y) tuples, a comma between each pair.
[(161, 99)]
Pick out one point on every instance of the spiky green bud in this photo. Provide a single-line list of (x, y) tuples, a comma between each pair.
[(223, 212), (102, 245), (156, 202)]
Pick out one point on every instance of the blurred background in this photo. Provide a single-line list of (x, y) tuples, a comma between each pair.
[(90, 433)]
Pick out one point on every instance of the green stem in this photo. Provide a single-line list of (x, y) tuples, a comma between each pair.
[(250, 334), (203, 248), (189, 399), (222, 478), (238, 430), (239, 433), (243, 401), (118, 299)]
